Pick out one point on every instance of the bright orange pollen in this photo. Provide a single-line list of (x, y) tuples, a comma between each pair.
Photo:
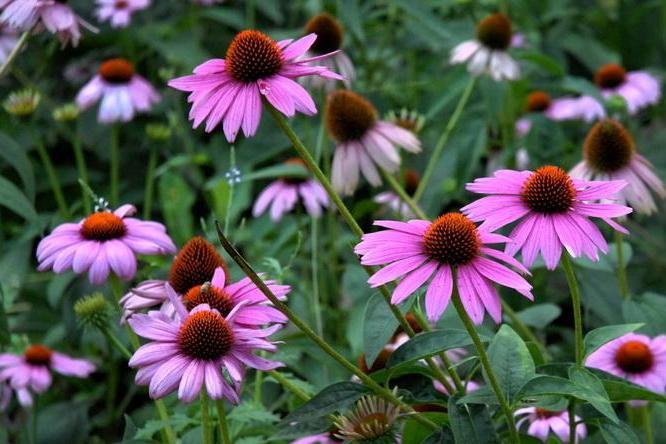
[(103, 226), (634, 357), (549, 190), (452, 239), (117, 71), (329, 33), (348, 115), (38, 354), (537, 101), (495, 31), (610, 75), (252, 56), (195, 265), (207, 294), (205, 335)]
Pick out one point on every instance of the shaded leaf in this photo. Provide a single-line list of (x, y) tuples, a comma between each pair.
[(511, 361), (333, 398), (471, 424), (600, 336), (430, 343)]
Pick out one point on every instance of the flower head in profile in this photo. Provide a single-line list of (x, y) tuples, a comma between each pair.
[(609, 153), (230, 90), (635, 357), (363, 142), (22, 103), (410, 120), (638, 88), (393, 202), (196, 350), (449, 247), (488, 53), (123, 92), (371, 419), (553, 211), (330, 35), (31, 372), (283, 194), (585, 108), (55, 15), (101, 243), (542, 422), (119, 12)]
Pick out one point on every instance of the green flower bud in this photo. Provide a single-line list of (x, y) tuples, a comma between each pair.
[(92, 310), (66, 113), (22, 103), (158, 132)]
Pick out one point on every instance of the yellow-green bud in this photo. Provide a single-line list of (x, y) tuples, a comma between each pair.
[(22, 103), (66, 113), (92, 310), (158, 131)]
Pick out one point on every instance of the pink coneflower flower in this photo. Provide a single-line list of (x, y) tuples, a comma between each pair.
[(419, 249), (119, 12), (198, 349), (31, 372), (637, 358), (488, 54), (103, 242), (123, 92), (543, 421), (8, 40), (609, 153), (638, 88), (5, 396), (363, 141), (330, 35), (322, 438), (194, 265), (229, 90), (554, 208), (282, 195), (393, 202), (55, 15), (583, 108)]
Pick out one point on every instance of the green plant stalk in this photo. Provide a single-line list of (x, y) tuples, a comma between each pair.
[(344, 211), (400, 191), (314, 265), (318, 340), (576, 303), (439, 147), (114, 170), (646, 421), (53, 178), (571, 411), (524, 331), (621, 267), (222, 419), (168, 435), (82, 170), (206, 429), (15, 52), (258, 381), (485, 362), (150, 182), (284, 382), (227, 210)]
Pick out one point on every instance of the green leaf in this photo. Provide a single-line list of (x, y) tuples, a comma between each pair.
[(607, 262), (16, 156), (619, 433), (334, 398), (600, 336), (549, 64), (14, 199), (176, 199), (595, 392), (288, 430), (441, 436), (177, 421), (621, 390), (484, 395), (539, 316), (471, 424), (430, 343), (649, 308), (588, 51), (415, 433), (511, 361), (548, 385), (63, 422), (252, 412), (581, 86), (4, 325), (379, 325), (273, 172)]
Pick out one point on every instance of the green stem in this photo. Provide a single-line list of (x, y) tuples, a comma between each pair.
[(314, 264), (227, 211), (485, 362), (318, 340), (437, 152), (150, 182), (82, 170), (222, 418), (258, 381), (15, 52), (53, 178), (400, 191), (576, 303), (115, 343), (206, 430), (524, 331), (646, 420), (114, 165), (621, 267), (284, 382), (571, 409)]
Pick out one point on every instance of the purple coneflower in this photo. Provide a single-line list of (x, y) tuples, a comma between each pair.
[(31, 372), (54, 15), (103, 242), (119, 12), (283, 194), (609, 153), (321, 438), (635, 357), (638, 88), (554, 208), (196, 350), (230, 90), (122, 90), (330, 35), (419, 249), (362, 141), (488, 53), (543, 421)]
